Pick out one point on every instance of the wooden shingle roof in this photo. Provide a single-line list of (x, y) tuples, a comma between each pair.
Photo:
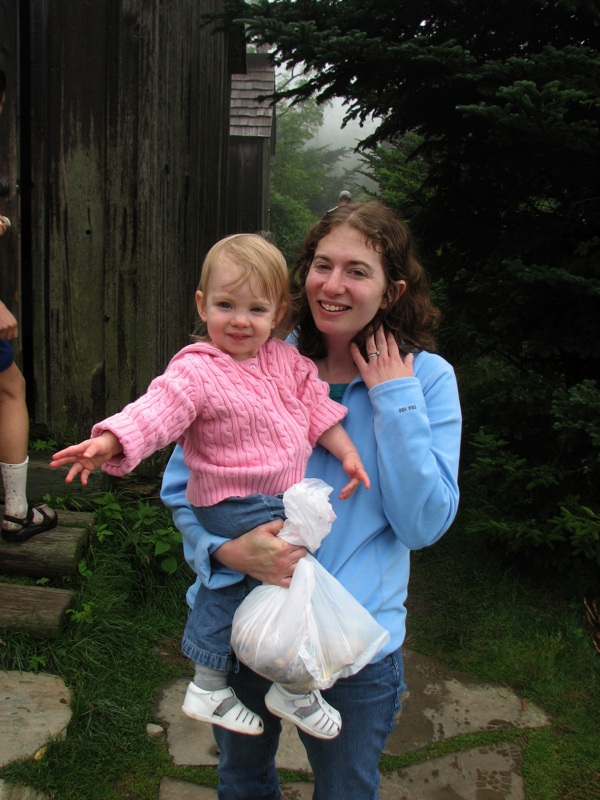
[(248, 116)]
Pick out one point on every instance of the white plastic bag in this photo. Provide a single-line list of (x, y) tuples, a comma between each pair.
[(308, 513), (315, 632)]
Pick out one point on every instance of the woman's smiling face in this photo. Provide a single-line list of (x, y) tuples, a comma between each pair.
[(346, 283)]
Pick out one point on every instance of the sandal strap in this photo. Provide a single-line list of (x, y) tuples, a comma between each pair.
[(41, 510), (27, 527), (26, 520)]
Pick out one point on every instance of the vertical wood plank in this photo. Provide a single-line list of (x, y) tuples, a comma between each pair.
[(10, 252), (72, 179)]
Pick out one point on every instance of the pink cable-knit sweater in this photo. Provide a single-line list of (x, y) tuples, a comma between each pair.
[(245, 426)]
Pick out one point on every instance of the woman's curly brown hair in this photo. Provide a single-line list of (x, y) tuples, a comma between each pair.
[(410, 317)]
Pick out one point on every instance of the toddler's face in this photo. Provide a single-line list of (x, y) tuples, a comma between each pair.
[(238, 316)]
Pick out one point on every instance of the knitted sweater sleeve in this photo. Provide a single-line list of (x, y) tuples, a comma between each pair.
[(157, 418), (323, 412)]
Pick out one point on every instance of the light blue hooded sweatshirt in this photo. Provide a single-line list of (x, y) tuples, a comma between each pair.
[(407, 432)]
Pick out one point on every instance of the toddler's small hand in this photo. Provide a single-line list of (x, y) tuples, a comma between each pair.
[(87, 455), (354, 469)]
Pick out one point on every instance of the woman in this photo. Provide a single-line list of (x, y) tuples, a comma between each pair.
[(362, 312)]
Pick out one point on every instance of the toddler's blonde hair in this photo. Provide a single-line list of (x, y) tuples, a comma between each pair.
[(256, 259)]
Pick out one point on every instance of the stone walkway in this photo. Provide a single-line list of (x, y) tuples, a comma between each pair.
[(441, 704)]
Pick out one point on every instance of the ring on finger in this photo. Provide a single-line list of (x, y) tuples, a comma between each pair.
[(376, 354)]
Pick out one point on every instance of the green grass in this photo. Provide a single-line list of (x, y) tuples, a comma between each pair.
[(467, 608)]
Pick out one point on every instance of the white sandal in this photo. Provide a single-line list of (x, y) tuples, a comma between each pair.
[(221, 708), (310, 712)]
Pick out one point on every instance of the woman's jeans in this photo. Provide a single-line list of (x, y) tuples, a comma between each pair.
[(345, 768), (207, 635)]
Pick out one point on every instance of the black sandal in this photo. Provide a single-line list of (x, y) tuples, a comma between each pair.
[(28, 527)]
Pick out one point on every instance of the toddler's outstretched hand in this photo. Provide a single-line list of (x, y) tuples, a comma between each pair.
[(354, 469), (87, 455)]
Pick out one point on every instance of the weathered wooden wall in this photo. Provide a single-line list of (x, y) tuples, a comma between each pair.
[(10, 265), (129, 147)]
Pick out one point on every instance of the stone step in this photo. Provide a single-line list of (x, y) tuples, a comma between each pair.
[(38, 610)]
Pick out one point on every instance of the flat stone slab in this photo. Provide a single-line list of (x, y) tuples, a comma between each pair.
[(173, 789), (442, 703), (14, 791), (34, 709), (484, 773), (191, 742)]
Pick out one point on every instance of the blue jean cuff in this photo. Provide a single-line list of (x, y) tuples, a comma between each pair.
[(221, 661)]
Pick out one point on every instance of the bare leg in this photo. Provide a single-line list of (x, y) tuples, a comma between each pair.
[(14, 419), (14, 436)]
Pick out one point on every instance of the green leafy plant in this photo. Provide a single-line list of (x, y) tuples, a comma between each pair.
[(83, 569), (35, 662), (83, 615), (43, 445), (141, 531), (61, 501)]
